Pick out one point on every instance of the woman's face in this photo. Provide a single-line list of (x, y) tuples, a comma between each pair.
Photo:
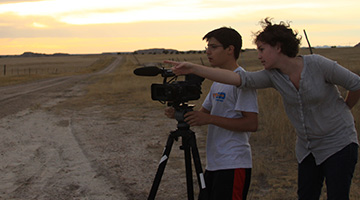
[(267, 54)]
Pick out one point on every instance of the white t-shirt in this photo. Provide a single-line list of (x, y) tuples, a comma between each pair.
[(227, 149)]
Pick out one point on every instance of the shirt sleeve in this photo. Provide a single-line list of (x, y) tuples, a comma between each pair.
[(338, 75), (255, 80), (246, 100), (207, 104)]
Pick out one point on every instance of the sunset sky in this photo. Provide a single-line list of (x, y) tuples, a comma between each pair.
[(93, 26)]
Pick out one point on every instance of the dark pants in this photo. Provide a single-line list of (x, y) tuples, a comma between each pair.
[(337, 171)]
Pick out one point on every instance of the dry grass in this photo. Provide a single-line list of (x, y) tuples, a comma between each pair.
[(274, 165), (23, 69)]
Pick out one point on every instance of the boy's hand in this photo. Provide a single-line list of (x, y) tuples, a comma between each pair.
[(196, 118), (170, 112)]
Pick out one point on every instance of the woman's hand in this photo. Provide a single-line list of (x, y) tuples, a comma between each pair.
[(214, 74), (181, 68)]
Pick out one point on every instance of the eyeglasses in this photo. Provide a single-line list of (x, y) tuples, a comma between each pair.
[(212, 47)]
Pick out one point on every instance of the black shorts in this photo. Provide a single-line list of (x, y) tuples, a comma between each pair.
[(230, 184)]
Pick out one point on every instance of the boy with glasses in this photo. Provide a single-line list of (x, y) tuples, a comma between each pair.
[(231, 114)]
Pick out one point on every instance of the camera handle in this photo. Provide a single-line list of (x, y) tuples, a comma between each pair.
[(189, 146)]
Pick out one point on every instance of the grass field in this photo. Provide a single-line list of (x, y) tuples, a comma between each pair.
[(274, 173), (21, 69)]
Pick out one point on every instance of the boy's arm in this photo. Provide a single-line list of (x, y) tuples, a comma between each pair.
[(249, 121)]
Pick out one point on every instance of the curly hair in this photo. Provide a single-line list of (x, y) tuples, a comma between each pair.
[(282, 34)]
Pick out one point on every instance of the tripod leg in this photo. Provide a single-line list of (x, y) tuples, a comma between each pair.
[(189, 179), (161, 168), (197, 163)]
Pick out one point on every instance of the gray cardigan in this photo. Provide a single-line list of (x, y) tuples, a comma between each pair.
[(324, 123)]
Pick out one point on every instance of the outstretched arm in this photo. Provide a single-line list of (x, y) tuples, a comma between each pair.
[(215, 74)]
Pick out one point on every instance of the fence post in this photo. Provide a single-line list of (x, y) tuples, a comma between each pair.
[(4, 70)]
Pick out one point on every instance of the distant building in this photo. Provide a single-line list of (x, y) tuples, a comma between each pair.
[(32, 54), (156, 51)]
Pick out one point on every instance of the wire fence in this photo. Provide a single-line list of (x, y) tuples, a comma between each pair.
[(21, 71)]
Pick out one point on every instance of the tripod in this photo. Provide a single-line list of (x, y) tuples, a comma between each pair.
[(189, 146)]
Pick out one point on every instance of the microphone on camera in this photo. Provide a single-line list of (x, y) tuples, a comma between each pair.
[(147, 71), (153, 71)]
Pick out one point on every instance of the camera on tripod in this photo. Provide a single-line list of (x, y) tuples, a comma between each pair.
[(174, 92), (177, 93)]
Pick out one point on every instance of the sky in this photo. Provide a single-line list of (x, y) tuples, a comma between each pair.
[(94, 26)]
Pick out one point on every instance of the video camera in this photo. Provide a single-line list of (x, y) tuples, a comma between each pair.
[(172, 91)]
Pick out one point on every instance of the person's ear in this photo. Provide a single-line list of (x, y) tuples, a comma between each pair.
[(278, 47), (231, 49)]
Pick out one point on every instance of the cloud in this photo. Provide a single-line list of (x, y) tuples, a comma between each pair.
[(39, 25), (17, 1), (117, 11)]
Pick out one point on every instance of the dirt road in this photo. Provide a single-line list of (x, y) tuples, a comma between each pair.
[(81, 154), (18, 97), (40, 155)]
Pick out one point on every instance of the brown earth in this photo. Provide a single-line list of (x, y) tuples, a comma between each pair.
[(49, 153)]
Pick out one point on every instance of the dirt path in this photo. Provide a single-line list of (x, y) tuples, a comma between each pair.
[(42, 159), (15, 98), (40, 155), (82, 154)]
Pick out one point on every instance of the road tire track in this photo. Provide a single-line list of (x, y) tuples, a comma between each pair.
[(41, 155), (15, 98)]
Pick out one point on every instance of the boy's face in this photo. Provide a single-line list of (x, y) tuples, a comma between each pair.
[(216, 53)]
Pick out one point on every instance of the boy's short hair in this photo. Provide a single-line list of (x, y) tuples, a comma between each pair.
[(226, 36)]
